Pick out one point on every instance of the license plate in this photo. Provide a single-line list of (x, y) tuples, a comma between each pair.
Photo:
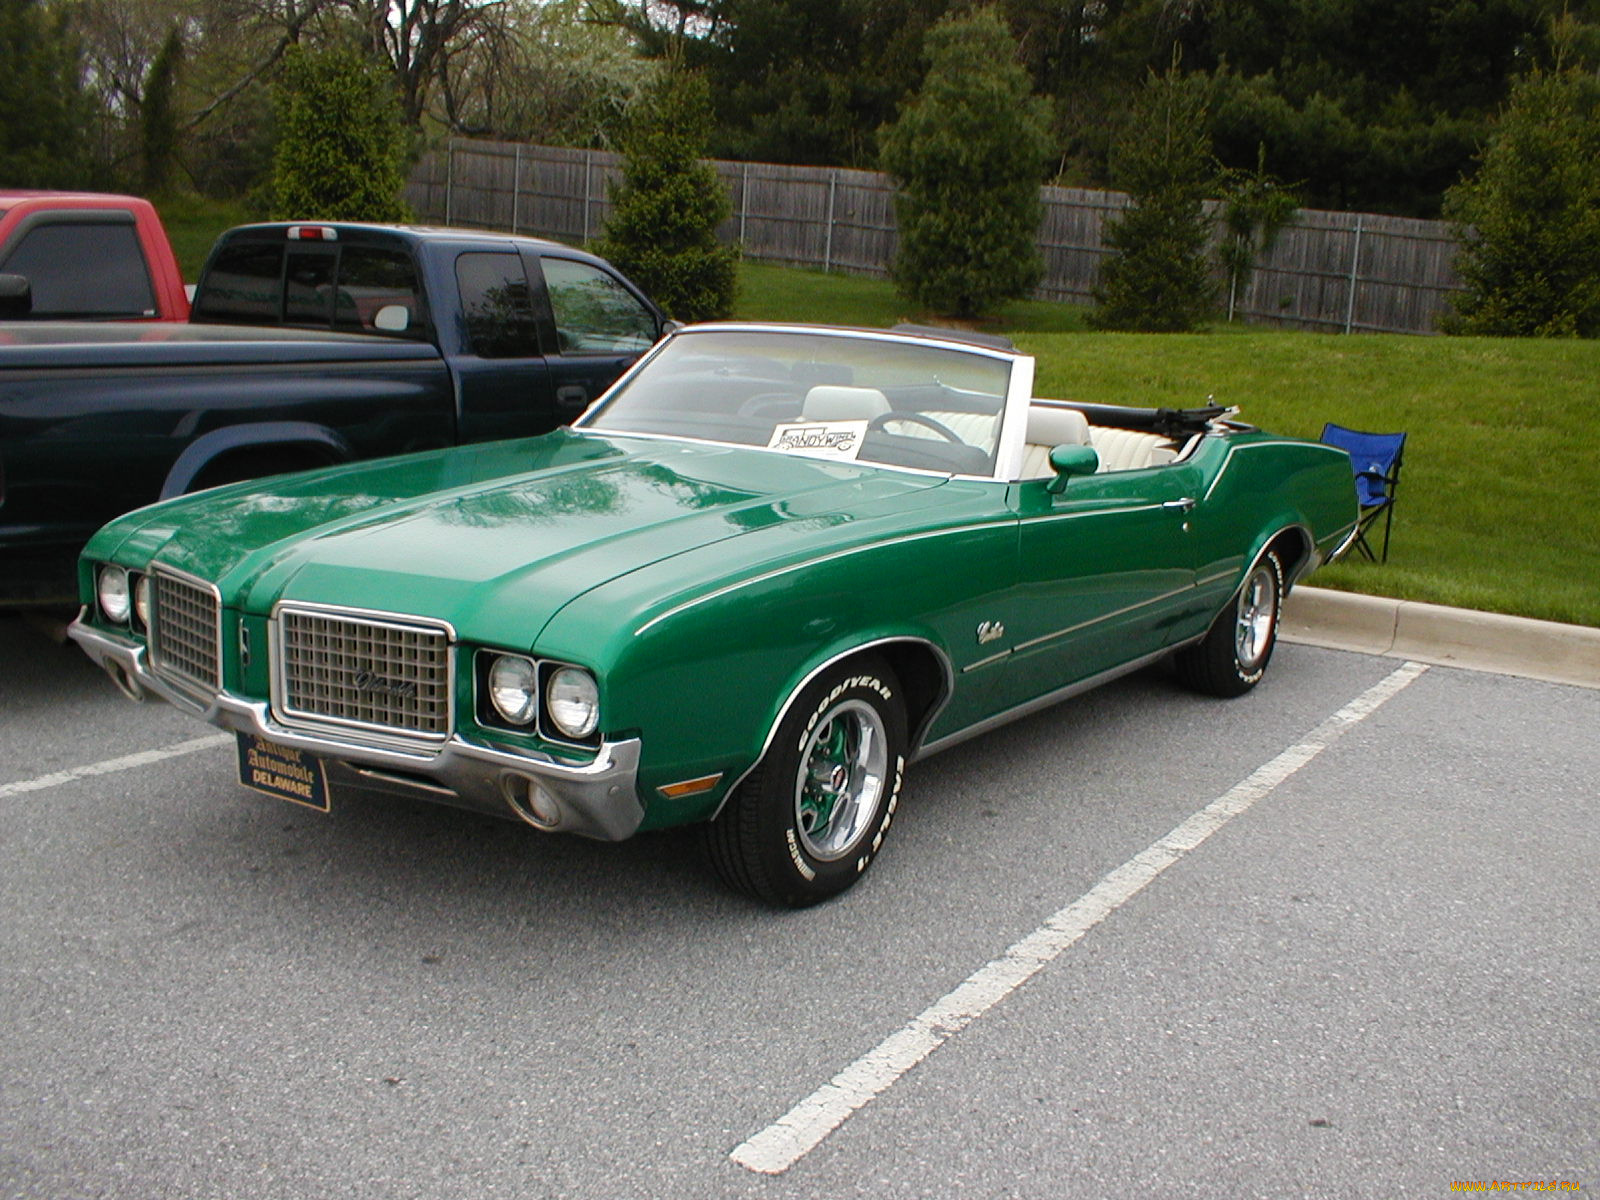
[(282, 771)]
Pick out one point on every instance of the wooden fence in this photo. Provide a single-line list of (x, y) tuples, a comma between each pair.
[(1328, 270)]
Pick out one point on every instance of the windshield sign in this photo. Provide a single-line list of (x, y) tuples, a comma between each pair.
[(836, 396)]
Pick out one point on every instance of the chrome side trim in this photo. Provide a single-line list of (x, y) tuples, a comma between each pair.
[(1121, 612), (1114, 509), (1344, 546), (986, 662), (1042, 702)]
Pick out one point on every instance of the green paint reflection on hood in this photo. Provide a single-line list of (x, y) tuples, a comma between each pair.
[(535, 522)]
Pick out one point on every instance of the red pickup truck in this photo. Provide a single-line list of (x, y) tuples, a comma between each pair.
[(85, 256)]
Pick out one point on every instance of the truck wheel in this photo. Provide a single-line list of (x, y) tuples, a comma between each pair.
[(1233, 655), (808, 820)]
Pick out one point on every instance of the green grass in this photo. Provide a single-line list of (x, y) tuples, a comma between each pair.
[(1499, 504), (771, 293), (193, 224)]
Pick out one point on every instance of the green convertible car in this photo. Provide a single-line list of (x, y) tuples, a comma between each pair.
[(772, 566)]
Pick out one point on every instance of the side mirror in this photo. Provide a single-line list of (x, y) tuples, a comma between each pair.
[(16, 297), (1067, 461), (392, 318)]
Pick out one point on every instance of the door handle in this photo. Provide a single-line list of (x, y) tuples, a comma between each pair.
[(1184, 505), (572, 395)]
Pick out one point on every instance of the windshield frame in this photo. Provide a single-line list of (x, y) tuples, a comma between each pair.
[(1013, 414)]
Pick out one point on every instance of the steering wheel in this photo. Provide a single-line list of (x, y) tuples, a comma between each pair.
[(915, 418)]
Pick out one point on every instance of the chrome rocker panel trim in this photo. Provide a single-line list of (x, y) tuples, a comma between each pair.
[(598, 799)]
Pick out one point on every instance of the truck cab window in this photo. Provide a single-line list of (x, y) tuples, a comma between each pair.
[(594, 312), (496, 306), (372, 279), (84, 269), (308, 289), (244, 283)]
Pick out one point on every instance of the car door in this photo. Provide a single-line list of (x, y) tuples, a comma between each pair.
[(1105, 570), (598, 327)]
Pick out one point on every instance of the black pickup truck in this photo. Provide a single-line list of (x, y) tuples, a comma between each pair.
[(310, 344)]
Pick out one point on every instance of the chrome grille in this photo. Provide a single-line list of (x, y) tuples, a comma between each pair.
[(364, 671), (185, 632)]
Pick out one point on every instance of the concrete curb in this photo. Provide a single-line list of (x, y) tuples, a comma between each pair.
[(1452, 637)]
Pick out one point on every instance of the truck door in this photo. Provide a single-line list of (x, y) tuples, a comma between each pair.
[(597, 327), (503, 386)]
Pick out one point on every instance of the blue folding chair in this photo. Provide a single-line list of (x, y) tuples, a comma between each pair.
[(1375, 459)]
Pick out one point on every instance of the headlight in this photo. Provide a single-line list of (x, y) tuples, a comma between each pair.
[(514, 688), (572, 698), (113, 594), (142, 602)]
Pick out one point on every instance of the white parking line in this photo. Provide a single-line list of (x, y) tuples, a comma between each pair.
[(141, 759), (799, 1131)]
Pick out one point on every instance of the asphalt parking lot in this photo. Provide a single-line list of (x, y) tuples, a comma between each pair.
[(1338, 938)]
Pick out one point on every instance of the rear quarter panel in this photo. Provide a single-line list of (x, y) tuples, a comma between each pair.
[(1259, 486)]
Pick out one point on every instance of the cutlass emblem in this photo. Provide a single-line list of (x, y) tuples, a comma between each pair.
[(990, 631), (366, 681)]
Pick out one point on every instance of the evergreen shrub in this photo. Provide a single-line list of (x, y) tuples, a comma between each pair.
[(662, 232), (1158, 279), (342, 146), (968, 155), (1529, 219)]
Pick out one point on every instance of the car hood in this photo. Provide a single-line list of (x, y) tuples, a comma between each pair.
[(462, 534)]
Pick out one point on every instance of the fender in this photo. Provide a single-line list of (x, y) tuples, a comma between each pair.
[(201, 452), (1294, 570), (798, 685)]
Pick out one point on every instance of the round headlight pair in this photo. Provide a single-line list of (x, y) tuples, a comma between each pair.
[(571, 696), (117, 598)]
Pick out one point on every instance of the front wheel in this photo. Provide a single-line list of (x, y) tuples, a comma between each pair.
[(808, 820), (1233, 655)]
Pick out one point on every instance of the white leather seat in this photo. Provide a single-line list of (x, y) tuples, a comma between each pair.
[(1047, 429), (1119, 449), (1130, 449), (835, 402)]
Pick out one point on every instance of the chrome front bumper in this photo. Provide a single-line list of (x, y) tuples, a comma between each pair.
[(598, 799)]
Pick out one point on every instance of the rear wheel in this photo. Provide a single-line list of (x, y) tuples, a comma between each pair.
[(808, 821), (1233, 655)]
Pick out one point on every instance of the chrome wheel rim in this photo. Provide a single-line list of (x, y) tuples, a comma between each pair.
[(1257, 615), (843, 764)]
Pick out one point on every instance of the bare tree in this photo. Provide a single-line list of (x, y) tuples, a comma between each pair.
[(423, 41)]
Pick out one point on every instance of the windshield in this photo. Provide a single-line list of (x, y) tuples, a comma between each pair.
[(846, 396)]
